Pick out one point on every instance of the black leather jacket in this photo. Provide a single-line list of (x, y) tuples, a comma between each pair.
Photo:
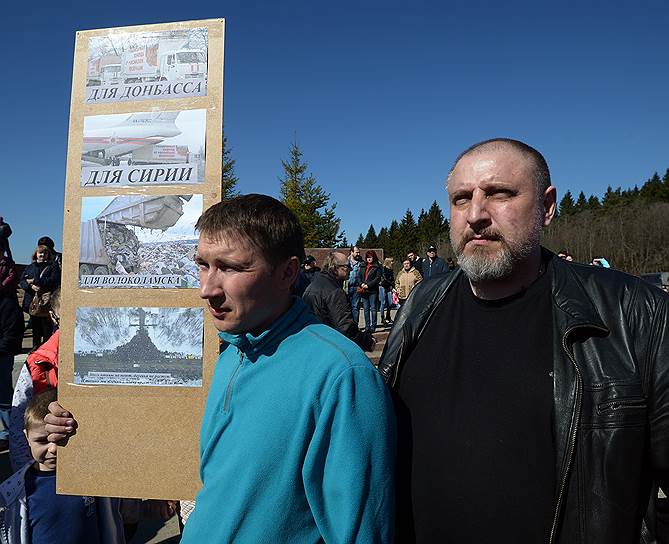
[(610, 394)]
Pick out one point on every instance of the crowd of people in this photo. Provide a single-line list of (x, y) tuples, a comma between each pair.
[(520, 396)]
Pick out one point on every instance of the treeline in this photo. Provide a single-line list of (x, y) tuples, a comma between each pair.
[(409, 234), (629, 227)]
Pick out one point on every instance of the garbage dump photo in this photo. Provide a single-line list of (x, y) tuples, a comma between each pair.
[(126, 66), (144, 148), (139, 346), (139, 241)]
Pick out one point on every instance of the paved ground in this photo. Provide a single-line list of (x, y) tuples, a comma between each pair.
[(168, 532)]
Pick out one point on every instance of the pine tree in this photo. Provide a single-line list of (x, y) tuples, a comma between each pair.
[(361, 241), (407, 234), (652, 189), (383, 241), (309, 202), (581, 203), (229, 179), (566, 205), (394, 247), (371, 238), (593, 203), (432, 226)]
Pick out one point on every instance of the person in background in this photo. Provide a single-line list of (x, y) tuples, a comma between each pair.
[(306, 275), (416, 261), (406, 280), (39, 373), (5, 233), (11, 337), (9, 278), (42, 275), (48, 242), (386, 290), (354, 281), (326, 299), (369, 289), (433, 265), (451, 264), (601, 261)]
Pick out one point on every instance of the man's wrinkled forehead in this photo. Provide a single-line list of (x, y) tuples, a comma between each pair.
[(489, 163)]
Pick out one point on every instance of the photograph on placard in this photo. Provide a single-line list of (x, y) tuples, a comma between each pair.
[(139, 241), (139, 346), (144, 148), (126, 66)]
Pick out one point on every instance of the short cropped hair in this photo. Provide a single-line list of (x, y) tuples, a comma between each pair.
[(43, 248), (38, 408), (540, 171), (263, 221)]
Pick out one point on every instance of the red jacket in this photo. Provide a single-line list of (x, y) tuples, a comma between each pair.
[(43, 364)]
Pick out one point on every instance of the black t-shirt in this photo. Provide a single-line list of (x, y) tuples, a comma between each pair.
[(476, 460)]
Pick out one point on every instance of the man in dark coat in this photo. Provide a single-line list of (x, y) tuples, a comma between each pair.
[(326, 299), (433, 265), (5, 233)]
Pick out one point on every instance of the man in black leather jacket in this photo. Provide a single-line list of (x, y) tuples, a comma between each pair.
[(609, 406), (326, 299)]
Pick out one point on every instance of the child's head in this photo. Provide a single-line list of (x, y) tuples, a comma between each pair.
[(43, 451)]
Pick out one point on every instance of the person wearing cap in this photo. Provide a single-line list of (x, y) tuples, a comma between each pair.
[(306, 275), (433, 265)]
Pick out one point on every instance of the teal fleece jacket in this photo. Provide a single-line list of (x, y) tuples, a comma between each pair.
[(297, 443)]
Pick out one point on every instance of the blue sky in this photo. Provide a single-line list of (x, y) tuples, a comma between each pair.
[(380, 95)]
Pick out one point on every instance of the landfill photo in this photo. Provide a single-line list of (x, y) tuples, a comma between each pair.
[(144, 148), (126, 66), (139, 346), (139, 241)]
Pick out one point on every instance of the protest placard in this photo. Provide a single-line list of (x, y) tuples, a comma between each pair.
[(136, 351)]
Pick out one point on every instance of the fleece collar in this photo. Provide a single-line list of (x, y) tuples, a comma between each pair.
[(254, 346)]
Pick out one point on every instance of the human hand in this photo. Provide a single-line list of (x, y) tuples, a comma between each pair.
[(160, 509), (59, 424), (34, 287)]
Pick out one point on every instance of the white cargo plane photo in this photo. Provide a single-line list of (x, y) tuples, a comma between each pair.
[(106, 145)]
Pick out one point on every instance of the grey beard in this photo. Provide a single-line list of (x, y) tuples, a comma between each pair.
[(479, 267)]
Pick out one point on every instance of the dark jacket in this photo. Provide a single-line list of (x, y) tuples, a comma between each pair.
[(611, 394), (373, 278), (9, 278), (434, 268), (327, 301), (45, 275), (11, 326), (387, 278)]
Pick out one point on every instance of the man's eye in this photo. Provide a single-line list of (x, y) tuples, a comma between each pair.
[(461, 200)]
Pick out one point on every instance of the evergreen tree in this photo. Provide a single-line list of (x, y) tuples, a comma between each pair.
[(612, 199), (581, 203), (361, 241), (371, 238), (407, 234), (593, 203), (229, 179), (343, 244), (432, 226), (394, 248), (566, 205), (309, 202), (652, 190), (383, 241)]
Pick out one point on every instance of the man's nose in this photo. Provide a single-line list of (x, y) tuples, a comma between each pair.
[(478, 216), (52, 448), (208, 285)]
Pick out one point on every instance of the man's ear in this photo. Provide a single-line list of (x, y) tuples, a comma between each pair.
[(549, 204), (287, 272)]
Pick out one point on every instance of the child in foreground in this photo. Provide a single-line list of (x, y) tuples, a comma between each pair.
[(30, 510)]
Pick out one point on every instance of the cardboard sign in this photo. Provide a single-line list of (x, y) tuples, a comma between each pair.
[(136, 350)]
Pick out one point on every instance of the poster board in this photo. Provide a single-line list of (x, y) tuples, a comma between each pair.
[(137, 351)]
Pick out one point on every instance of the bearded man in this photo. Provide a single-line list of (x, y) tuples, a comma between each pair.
[(531, 393)]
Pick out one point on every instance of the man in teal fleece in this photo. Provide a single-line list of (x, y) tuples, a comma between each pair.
[(298, 439), (297, 444)]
